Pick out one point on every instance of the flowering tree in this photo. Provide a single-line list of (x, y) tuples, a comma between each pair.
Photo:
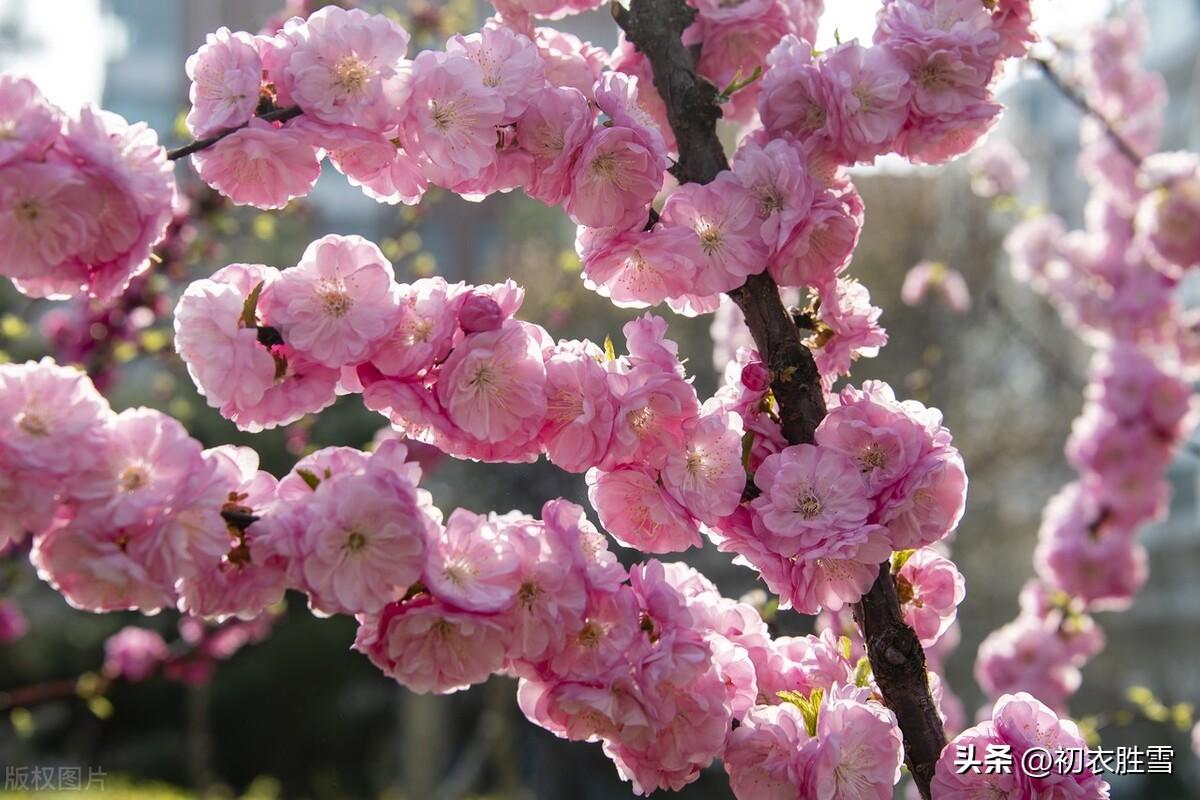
[(839, 498)]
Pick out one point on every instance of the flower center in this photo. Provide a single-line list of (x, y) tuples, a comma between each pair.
[(355, 541), (27, 211), (528, 594), (591, 635), (808, 505), (566, 406), (336, 301), (872, 457), (350, 74), (710, 238), (484, 378), (33, 423), (930, 76), (605, 165), (641, 420), (133, 477), (444, 116)]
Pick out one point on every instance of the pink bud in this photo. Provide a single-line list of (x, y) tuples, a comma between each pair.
[(480, 313), (756, 377)]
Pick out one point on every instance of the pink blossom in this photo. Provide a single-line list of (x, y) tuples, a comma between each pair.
[(13, 624), (884, 437), (553, 130), (639, 513), (819, 249), (777, 177), (260, 165), (51, 419), (810, 497), (132, 186), (928, 503), (1102, 564), (857, 748), (580, 407), (1027, 655), (954, 783), (510, 63), (724, 216), (223, 355), (226, 74), (493, 384), (381, 167), (452, 117), (618, 96), (615, 177), (474, 563), (655, 407), (799, 95), (429, 647), (853, 321), (934, 275), (839, 576), (88, 563), (930, 588), (1166, 217), (423, 331), (876, 89), (763, 754), (938, 139), (302, 387), (28, 123), (551, 599), (133, 654), (605, 641), (706, 476), (997, 168), (1024, 723), (348, 67), (364, 542), (334, 306), (636, 268), (570, 62), (46, 218), (735, 43)]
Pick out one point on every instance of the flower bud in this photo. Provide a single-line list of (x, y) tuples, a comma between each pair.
[(480, 313)]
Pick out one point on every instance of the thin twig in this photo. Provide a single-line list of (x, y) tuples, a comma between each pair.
[(1079, 101), (278, 115)]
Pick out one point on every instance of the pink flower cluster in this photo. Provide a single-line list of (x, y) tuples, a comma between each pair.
[(1115, 281), (934, 276), (1019, 723), (125, 509), (506, 107), (923, 89), (881, 477), (83, 199)]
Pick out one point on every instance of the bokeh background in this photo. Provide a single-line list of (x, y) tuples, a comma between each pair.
[(300, 715)]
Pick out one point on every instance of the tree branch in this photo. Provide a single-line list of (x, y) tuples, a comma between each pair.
[(278, 115), (1079, 101), (655, 27)]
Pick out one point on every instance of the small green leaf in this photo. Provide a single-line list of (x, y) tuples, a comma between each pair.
[(846, 645), (862, 672), (738, 83), (900, 558), (312, 480), (610, 352), (250, 307), (747, 446), (810, 707)]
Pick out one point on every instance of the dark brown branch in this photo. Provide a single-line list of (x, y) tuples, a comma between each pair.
[(1079, 101), (278, 115), (655, 28), (238, 518)]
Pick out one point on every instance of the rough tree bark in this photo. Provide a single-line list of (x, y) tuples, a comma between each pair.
[(897, 659)]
